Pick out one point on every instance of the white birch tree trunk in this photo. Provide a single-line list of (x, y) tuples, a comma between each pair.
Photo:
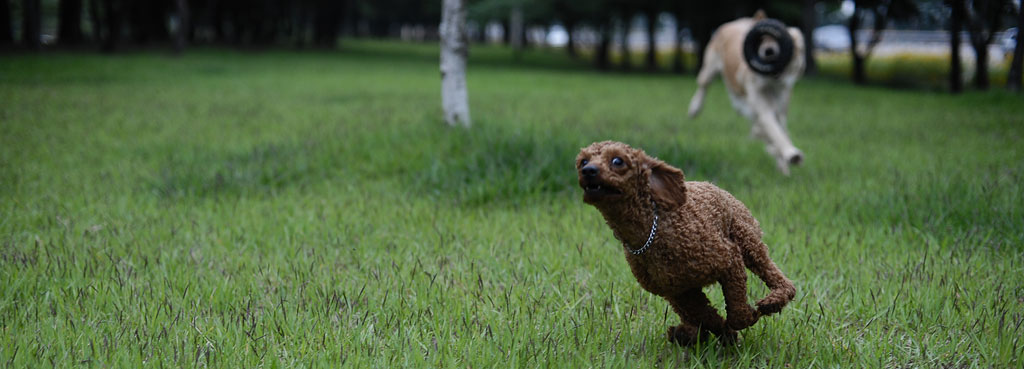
[(454, 48)]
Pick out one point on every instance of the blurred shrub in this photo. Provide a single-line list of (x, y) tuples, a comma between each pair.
[(908, 70)]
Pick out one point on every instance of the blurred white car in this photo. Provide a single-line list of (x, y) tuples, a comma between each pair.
[(1009, 40), (557, 36), (832, 38)]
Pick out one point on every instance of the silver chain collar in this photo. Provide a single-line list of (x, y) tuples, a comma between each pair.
[(650, 238)]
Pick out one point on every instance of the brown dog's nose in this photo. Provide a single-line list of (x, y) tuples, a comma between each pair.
[(589, 171)]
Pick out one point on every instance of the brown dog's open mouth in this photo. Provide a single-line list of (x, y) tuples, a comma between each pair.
[(594, 190)]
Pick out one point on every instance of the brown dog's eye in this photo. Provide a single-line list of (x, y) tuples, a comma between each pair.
[(617, 161), (584, 162)]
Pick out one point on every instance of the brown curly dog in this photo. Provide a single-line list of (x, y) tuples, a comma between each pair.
[(680, 236)]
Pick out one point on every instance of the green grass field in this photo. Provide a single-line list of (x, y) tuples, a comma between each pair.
[(279, 209)]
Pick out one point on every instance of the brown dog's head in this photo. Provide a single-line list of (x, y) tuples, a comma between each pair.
[(612, 172)]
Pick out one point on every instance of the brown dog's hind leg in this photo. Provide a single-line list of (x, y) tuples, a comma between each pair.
[(700, 313), (686, 333), (739, 314), (747, 235), (782, 289)]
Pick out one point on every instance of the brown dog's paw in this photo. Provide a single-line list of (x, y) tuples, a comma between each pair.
[(683, 335), (728, 337), (742, 319), (769, 307), (773, 303)]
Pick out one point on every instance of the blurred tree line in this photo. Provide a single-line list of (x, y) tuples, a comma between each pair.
[(115, 24), (593, 26)]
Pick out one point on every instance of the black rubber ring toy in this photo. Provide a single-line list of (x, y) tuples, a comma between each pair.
[(769, 65)]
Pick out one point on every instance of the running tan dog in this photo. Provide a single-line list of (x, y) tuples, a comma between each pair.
[(761, 60), (680, 236)]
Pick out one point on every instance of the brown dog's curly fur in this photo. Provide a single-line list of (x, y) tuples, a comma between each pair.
[(704, 235)]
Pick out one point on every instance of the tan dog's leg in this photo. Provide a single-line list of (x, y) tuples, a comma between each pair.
[(712, 65), (770, 131), (783, 109)]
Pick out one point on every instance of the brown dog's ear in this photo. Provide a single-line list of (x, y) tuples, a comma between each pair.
[(668, 184)]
